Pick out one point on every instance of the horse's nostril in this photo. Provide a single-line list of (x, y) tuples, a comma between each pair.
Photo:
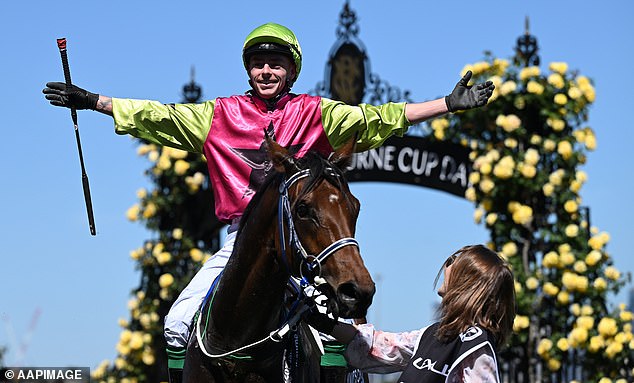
[(348, 292)]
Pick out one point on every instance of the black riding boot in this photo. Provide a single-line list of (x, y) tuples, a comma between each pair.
[(175, 375)]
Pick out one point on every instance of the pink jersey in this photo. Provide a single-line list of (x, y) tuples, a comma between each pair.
[(236, 157)]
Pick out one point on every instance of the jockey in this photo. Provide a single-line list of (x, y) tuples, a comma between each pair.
[(229, 131)]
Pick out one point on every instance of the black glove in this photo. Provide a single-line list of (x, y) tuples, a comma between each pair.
[(466, 97), (71, 96), (320, 322)]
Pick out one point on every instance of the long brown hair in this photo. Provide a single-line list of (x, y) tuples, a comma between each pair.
[(480, 290)]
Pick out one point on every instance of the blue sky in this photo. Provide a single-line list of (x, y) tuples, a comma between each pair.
[(80, 284)]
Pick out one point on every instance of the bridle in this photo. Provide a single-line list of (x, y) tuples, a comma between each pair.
[(303, 302), (284, 216)]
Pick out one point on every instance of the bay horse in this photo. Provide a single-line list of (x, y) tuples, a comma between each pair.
[(303, 208)]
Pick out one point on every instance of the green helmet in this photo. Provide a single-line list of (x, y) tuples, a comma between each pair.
[(276, 38)]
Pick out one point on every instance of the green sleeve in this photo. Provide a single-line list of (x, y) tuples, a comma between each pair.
[(372, 124), (181, 126)]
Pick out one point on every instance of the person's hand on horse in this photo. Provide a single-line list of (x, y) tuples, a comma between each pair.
[(70, 96), (465, 97), (320, 322)]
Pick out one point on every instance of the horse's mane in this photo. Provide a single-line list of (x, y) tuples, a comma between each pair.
[(320, 168)]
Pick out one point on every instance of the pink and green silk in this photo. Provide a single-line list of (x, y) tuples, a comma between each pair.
[(230, 133)]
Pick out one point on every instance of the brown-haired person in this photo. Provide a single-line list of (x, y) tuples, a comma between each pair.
[(476, 317)]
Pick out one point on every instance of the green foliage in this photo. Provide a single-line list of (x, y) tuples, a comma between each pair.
[(180, 211), (527, 145)]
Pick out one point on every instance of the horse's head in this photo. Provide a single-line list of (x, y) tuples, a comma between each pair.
[(324, 212)]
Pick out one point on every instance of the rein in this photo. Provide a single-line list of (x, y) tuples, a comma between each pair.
[(313, 262)]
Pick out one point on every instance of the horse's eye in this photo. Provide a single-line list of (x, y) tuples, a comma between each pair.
[(302, 210)]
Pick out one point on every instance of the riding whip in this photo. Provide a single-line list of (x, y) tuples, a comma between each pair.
[(61, 44)]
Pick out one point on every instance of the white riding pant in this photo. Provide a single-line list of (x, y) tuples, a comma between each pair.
[(179, 319)]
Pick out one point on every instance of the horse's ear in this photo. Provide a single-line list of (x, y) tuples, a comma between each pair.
[(281, 159), (342, 157)]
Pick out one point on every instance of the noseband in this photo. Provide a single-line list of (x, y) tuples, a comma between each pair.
[(313, 262)]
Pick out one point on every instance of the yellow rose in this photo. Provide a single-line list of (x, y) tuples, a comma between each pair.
[(535, 139), (531, 157), (556, 177), (596, 343), (508, 87), (544, 346), (572, 230), (181, 167), (509, 249), (593, 257), (470, 194), (548, 189), (163, 258), (550, 289), (551, 259), (174, 153), (439, 134), (558, 67), (440, 123), (612, 273), (600, 284), (607, 327), (141, 193), (504, 168), (575, 309), (557, 124), (567, 258), (563, 297), (587, 310), (560, 99), (523, 215), (136, 254), (556, 80), (532, 283), (491, 218), (626, 316), (613, 349), (508, 123), (153, 155), (486, 185), (510, 143), (132, 214), (605, 380), (520, 322), (578, 336), (474, 178), (534, 87), (196, 255), (570, 206), (549, 145), (532, 71), (528, 171), (565, 149), (136, 342), (580, 267), (148, 358), (563, 344), (554, 364), (622, 337), (164, 163), (166, 280), (177, 233), (486, 168), (589, 93), (586, 322), (149, 210), (590, 142), (574, 93)]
